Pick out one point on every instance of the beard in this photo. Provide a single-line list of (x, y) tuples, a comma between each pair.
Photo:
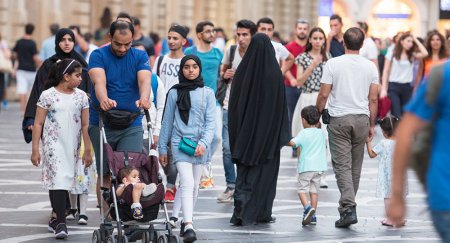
[(301, 37)]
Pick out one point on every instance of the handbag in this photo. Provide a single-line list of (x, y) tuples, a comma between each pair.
[(119, 119), (384, 106), (186, 145), (325, 116), (5, 63)]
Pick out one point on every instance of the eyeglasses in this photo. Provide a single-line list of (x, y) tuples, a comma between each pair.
[(209, 32), (302, 21)]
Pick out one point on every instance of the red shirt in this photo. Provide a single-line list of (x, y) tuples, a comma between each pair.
[(295, 49)]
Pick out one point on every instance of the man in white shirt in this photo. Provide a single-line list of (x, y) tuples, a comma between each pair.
[(351, 81), (369, 49), (245, 29), (284, 57), (167, 67)]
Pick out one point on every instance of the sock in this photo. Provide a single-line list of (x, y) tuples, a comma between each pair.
[(135, 205)]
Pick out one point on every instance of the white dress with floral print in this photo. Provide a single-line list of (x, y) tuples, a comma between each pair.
[(61, 137)]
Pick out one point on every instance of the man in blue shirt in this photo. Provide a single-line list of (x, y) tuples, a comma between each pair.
[(419, 112), (121, 77), (211, 58), (335, 43)]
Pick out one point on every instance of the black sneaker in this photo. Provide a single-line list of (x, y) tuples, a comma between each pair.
[(72, 214), (82, 220), (137, 213), (61, 231), (189, 235), (52, 225), (348, 217)]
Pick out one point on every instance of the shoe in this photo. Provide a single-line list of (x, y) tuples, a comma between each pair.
[(206, 182), (149, 189), (226, 196), (173, 222), (52, 225), (307, 215), (61, 231), (323, 183), (82, 219), (270, 220), (188, 234), (313, 220), (170, 194), (5, 104), (72, 214), (137, 213), (348, 217)]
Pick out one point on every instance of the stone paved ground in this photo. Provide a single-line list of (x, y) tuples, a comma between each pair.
[(24, 205)]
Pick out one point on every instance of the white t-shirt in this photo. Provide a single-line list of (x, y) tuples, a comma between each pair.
[(281, 52), (226, 60), (156, 111), (369, 49), (401, 70), (168, 71), (350, 77)]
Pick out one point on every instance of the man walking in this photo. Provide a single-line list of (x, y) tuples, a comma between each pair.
[(295, 47), (352, 81), (167, 67), (335, 42), (146, 41), (121, 77), (245, 29), (48, 45), (25, 52), (210, 58)]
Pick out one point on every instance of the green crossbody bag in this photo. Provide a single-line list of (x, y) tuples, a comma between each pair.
[(186, 145)]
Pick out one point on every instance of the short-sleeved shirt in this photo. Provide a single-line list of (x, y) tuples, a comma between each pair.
[(438, 175), (369, 49), (312, 84), (236, 61), (121, 79), (295, 49), (281, 53), (401, 70), (336, 48), (210, 64), (313, 152), (350, 76), (26, 49), (168, 71)]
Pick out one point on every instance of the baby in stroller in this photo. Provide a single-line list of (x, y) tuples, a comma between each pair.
[(129, 175)]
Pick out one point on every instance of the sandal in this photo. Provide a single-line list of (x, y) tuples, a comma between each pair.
[(384, 222)]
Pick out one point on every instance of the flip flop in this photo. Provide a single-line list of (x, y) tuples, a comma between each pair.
[(385, 223)]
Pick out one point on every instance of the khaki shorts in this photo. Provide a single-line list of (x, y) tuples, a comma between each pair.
[(309, 182)]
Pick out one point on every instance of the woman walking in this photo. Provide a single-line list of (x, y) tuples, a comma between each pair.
[(259, 126)]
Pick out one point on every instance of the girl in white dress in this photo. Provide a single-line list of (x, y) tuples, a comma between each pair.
[(384, 150), (62, 116)]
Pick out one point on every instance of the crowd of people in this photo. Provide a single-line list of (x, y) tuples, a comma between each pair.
[(251, 94)]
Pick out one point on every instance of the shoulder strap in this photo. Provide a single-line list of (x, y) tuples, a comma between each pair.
[(232, 53), (158, 65), (154, 87)]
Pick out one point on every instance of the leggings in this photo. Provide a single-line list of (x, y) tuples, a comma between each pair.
[(58, 200), (189, 183)]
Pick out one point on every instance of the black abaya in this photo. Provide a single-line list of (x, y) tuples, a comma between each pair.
[(259, 128)]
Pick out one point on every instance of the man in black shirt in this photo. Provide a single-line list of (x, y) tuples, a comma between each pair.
[(146, 41), (26, 55), (335, 43)]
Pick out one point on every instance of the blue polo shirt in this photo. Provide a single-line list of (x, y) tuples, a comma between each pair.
[(121, 79), (210, 64), (438, 174)]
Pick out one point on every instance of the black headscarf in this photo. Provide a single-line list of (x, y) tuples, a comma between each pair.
[(257, 114), (60, 54), (185, 85)]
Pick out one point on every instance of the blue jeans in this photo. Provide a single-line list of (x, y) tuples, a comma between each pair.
[(441, 220), (217, 134), (228, 166)]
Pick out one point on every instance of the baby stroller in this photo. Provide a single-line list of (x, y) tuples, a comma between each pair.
[(127, 228)]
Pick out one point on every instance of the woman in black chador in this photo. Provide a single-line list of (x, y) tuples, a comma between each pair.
[(258, 126)]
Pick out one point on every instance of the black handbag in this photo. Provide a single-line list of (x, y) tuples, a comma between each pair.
[(119, 119)]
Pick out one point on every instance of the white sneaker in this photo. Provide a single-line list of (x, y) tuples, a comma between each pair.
[(226, 196), (149, 189)]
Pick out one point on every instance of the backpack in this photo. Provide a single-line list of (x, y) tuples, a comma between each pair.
[(158, 65), (421, 147), (222, 84), (154, 87)]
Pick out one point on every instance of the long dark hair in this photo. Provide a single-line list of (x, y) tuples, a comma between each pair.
[(443, 51), (59, 69), (323, 50), (398, 49)]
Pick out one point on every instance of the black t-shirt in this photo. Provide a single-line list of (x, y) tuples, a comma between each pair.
[(25, 50), (336, 48), (148, 45)]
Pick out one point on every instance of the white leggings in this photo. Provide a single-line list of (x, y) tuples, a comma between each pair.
[(189, 183), (83, 202)]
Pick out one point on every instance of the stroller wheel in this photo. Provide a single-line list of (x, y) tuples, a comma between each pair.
[(146, 237), (111, 239), (174, 239), (163, 239), (96, 237)]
